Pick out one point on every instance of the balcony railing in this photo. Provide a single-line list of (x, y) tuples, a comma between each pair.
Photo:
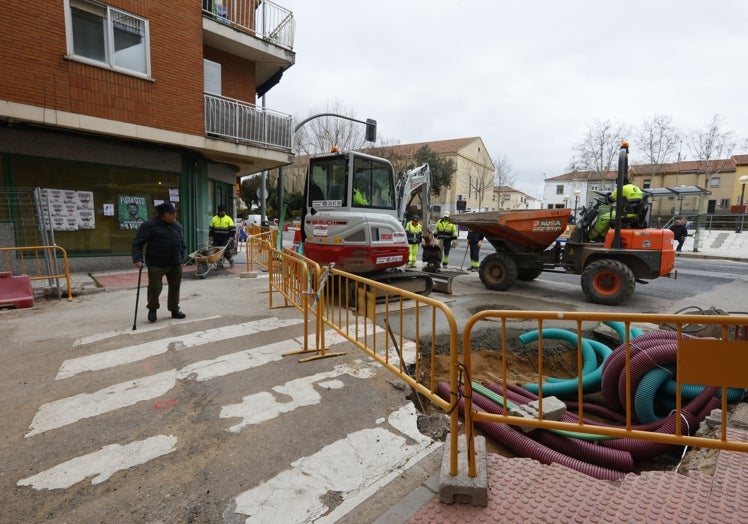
[(269, 21), (243, 122)]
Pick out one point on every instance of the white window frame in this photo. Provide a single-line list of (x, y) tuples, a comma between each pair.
[(108, 31)]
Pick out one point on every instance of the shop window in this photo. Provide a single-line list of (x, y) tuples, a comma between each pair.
[(104, 35)]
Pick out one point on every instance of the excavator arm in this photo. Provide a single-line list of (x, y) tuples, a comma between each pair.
[(414, 183)]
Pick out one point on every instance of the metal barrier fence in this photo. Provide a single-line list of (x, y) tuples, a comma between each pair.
[(39, 263), (373, 317), (369, 314), (257, 248), (717, 361)]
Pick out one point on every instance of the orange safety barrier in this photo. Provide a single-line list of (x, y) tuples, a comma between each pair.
[(708, 361)]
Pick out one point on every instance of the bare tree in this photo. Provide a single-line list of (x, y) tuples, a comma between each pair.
[(481, 181), (657, 141), (709, 146), (321, 134), (599, 149), (503, 176)]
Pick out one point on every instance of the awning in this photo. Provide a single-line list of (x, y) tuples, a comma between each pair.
[(678, 191)]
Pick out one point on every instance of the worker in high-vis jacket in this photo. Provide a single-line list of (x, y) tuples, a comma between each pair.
[(221, 232), (414, 234), (633, 195), (446, 231)]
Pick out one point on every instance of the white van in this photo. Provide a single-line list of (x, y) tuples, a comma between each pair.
[(253, 220)]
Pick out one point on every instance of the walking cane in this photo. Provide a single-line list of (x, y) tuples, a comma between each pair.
[(137, 298)]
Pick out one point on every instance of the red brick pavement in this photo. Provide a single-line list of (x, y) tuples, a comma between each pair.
[(524, 490)]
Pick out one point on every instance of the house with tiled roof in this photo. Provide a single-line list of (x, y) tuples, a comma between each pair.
[(472, 182), (576, 188), (720, 177), (508, 197)]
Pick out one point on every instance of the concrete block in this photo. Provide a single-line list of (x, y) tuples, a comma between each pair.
[(462, 488), (553, 409), (739, 417)]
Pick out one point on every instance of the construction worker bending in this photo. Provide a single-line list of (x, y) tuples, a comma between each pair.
[(414, 233), (446, 231), (631, 193), (221, 232)]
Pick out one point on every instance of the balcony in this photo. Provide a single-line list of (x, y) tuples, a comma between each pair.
[(246, 123), (262, 32)]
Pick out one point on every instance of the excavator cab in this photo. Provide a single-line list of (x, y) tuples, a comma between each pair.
[(350, 214)]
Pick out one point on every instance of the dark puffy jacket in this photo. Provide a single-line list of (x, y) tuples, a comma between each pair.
[(163, 242)]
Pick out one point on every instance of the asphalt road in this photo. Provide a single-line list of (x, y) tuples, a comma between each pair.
[(700, 282)]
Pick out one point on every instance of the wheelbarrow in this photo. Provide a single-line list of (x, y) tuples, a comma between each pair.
[(209, 257)]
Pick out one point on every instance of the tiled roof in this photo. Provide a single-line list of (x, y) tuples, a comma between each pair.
[(685, 166), (510, 189), (583, 175), (439, 147)]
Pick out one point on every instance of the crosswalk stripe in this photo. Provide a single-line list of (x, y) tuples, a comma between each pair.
[(264, 406), (102, 464), (98, 337), (130, 354), (346, 467), (68, 410)]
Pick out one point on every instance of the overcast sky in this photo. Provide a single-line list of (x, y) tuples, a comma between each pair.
[(528, 77)]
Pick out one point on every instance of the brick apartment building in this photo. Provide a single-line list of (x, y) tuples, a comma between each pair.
[(105, 104)]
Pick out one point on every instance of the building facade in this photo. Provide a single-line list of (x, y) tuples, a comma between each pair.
[(695, 187), (472, 184), (109, 108)]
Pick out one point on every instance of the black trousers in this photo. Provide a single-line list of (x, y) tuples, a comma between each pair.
[(173, 276), (474, 252)]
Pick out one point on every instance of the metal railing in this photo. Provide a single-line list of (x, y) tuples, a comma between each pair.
[(708, 349), (717, 362), (268, 21), (244, 122), (372, 316), (39, 263)]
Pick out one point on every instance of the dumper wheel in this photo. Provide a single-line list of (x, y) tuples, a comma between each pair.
[(498, 272), (528, 274), (608, 282)]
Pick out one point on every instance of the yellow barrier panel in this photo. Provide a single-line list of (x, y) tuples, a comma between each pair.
[(369, 314), (38, 263), (705, 361), (256, 248)]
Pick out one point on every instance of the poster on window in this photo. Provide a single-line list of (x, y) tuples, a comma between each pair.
[(86, 218), (133, 211), (69, 210)]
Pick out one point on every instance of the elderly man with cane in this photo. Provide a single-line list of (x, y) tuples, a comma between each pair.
[(159, 243)]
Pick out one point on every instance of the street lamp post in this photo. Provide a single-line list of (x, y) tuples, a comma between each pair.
[(743, 181), (576, 202), (566, 200)]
